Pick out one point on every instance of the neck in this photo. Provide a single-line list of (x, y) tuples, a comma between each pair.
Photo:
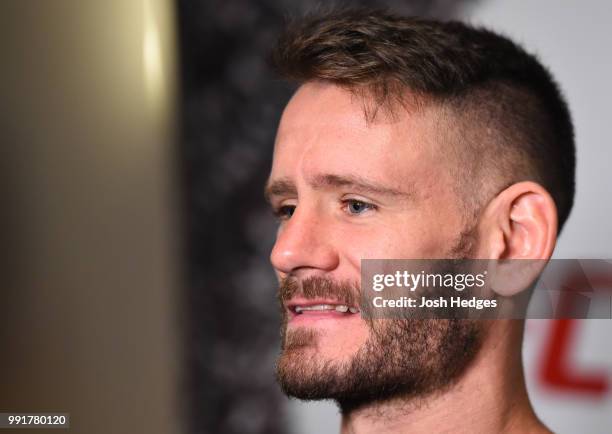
[(489, 397)]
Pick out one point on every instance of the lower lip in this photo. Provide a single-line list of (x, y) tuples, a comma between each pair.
[(312, 317)]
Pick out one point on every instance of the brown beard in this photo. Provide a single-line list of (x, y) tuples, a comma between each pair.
[(401, 358)]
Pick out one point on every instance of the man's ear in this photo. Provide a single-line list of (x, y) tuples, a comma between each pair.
[(520, 223)]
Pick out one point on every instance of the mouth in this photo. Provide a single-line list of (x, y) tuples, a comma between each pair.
[(300, 310)]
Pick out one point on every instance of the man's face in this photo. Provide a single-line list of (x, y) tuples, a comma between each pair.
[(347, 189)]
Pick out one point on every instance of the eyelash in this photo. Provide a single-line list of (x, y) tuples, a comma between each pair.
[(282, 211), (280, 214), (368, 206)]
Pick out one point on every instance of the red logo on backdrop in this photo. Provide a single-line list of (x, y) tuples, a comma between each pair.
[(558, 369)]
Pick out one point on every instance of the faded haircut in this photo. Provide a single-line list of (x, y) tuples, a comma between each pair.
[(501, 108)]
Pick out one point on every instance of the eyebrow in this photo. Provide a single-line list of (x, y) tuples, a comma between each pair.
[(279, 187), (285, 187)]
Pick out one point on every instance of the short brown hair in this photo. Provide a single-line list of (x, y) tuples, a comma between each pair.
[(487, 82)]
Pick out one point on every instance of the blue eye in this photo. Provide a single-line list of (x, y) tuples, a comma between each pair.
[(357, 206)]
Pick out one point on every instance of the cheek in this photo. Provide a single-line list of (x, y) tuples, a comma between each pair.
[(392, 242)]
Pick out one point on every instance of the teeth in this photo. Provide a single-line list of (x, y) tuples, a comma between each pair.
[(300, 309), (342, 308)]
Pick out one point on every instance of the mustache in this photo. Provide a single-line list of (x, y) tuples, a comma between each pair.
[(347, 292)]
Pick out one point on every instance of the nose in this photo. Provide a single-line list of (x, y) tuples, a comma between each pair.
[(304, 242)]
